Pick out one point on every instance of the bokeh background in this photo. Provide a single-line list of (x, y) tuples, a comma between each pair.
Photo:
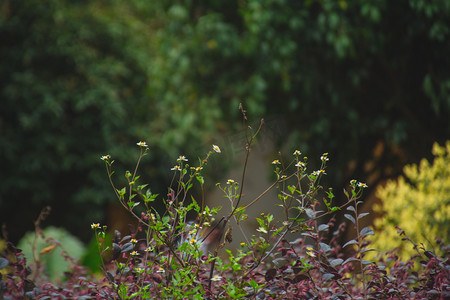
[(366, 81)]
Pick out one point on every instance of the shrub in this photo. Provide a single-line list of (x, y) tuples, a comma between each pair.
[(175, 254), (418, 203), (49, 246)]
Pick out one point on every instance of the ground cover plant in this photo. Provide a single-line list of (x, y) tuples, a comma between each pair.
[(181, 253)]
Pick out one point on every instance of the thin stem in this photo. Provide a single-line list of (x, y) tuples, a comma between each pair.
[(360, 254)]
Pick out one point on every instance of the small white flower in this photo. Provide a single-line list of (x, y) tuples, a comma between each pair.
[(160, 270), (182, 158), (176, 168), (324, 157), (318, 172), (310, 251), (230, 181), (262, 230), (216, 278), (297, 152), (105, 157), (300, 164), (276, 162), (362, 185), (216, 148), (142, 144)]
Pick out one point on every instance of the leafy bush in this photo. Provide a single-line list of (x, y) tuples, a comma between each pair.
[(418, 203), (169, 257), (49, 247)]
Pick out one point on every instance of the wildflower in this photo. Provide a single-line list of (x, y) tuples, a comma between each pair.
[(318, 172), (216, 148), (95, 225), (242, 244), (216, 278), (134, 241), (297, 152), (283, 176), (285, 223), (196, 168), (138, 270), (134, 253), (262, 230), (105, 157), (160, 270), (142, 144), (276, 162), (148, 249), (300, 164), (362, 185), (230, 181), (193, 240), (310, 251), (324, 157), (176, 168), (182, 158)]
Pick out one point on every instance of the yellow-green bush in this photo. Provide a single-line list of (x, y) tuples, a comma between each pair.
[(419, 203)]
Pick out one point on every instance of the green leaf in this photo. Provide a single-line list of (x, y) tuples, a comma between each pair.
[(366, 231), (351, 208), (324, 247), (310, 213), (141, 187), (291, 188), (362, 215), (336, 262), (200, 179), (351, 242), (127, 247), (122, 191), (253, 284), (323, 227), (260, 222), (350, 217)]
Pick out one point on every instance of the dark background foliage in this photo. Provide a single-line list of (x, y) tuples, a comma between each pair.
[(367, 81)]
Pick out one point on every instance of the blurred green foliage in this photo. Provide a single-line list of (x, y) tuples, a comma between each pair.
[(53, 260), (80, 79)]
